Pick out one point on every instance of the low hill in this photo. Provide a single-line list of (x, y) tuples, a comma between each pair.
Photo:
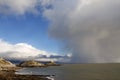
[(31, 63)]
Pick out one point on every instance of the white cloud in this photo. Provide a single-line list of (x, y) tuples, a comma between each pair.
[(21, 7), (18, 7), (20, 50), (24, 51)]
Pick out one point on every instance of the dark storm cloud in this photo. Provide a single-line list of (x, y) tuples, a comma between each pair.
[(89, 28)]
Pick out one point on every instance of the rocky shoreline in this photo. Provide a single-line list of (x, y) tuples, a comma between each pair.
[(8, 69), (10, 75)]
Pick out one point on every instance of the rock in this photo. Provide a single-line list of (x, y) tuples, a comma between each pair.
[(31, 63), (52, 63), (6, 65), (0, 68)]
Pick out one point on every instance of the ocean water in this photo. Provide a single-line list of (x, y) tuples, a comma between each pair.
[(77, 71)]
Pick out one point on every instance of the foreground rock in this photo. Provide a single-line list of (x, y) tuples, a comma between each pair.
[(6, 65), (31, 64)]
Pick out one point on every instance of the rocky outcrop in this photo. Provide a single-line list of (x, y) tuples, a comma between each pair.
[(31, 64), (52, 63), (5, 65)]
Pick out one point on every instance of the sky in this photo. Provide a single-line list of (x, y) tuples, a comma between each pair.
[(79, 31), (24, 32), (29, 29)]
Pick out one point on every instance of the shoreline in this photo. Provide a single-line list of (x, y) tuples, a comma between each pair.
[(10, 75), (8, 70)]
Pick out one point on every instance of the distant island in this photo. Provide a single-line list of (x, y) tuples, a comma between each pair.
[(33, 63)]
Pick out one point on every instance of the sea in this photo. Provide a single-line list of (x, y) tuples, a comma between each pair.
[(110, 71)]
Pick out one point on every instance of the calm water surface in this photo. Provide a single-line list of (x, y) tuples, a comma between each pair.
[(78, 71)]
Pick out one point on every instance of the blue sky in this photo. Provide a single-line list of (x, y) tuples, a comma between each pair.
[(27, 29)]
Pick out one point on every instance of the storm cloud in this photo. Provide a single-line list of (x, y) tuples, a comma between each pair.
[(90, 29)]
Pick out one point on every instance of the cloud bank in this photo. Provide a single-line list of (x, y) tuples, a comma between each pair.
[(90, 29), (24, 51)]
